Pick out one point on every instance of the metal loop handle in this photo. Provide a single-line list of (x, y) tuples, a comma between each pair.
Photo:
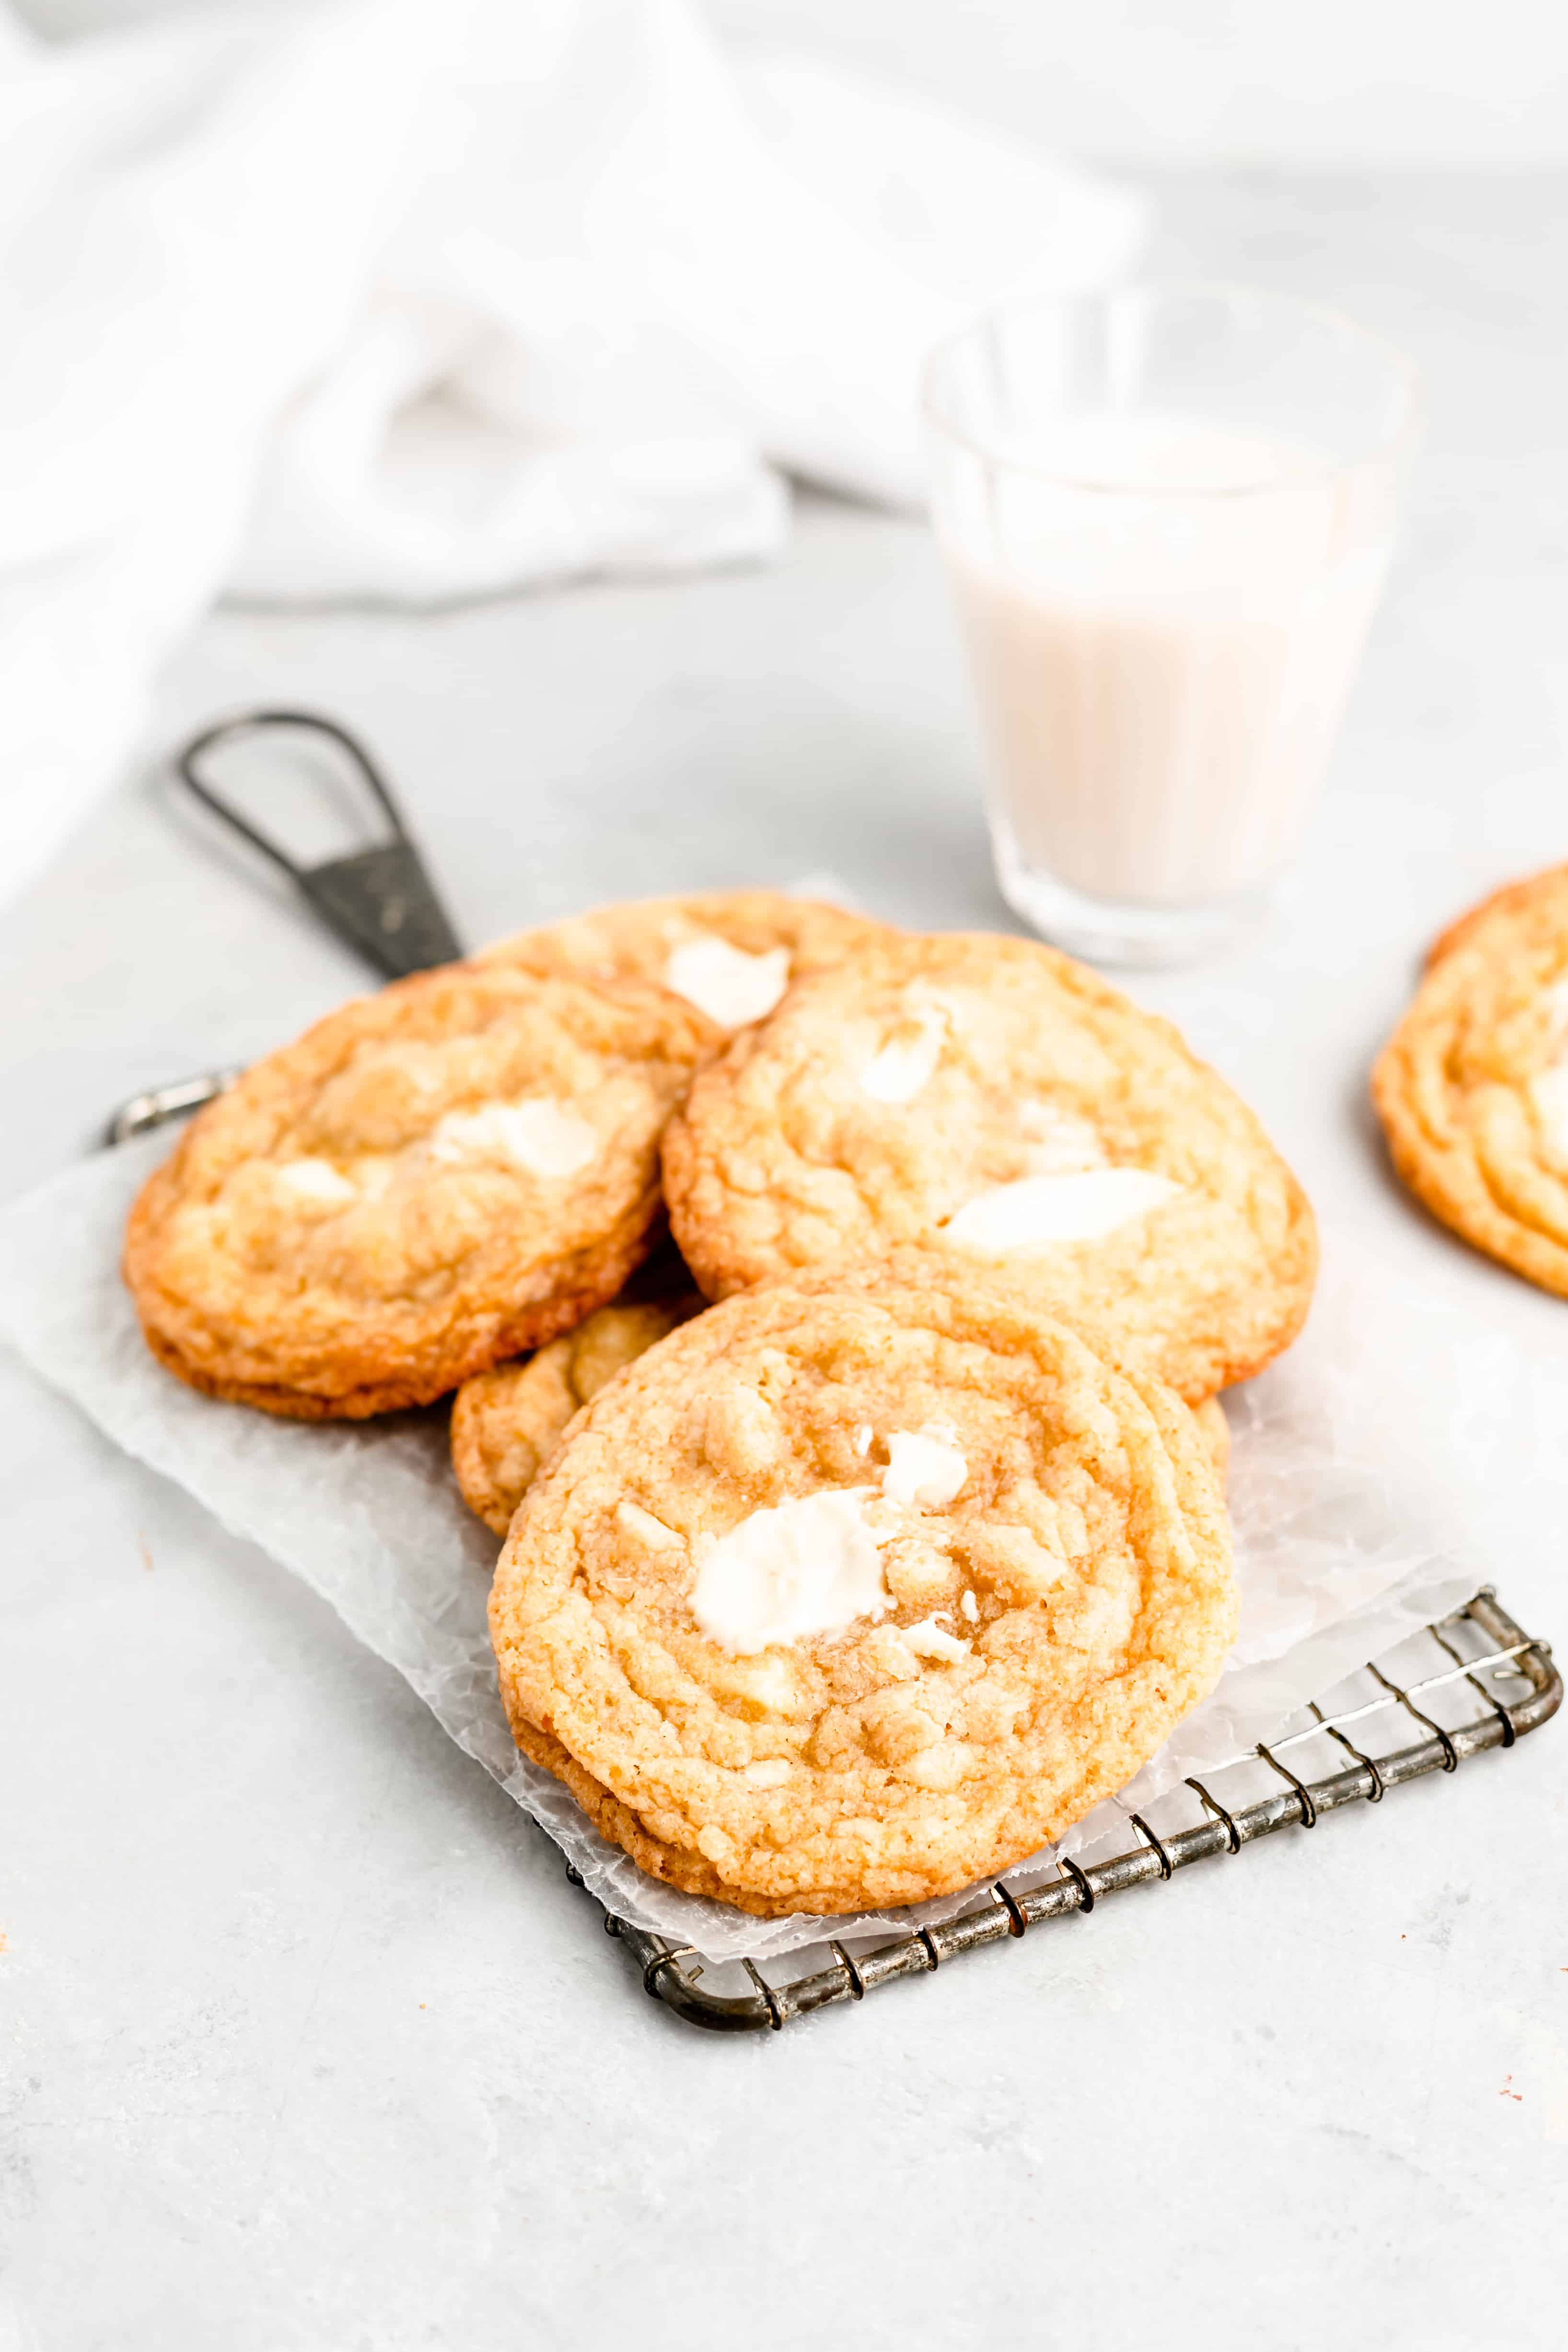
[(379, 900), (256, 722)]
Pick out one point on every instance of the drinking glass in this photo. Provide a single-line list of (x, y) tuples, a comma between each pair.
[(1166, 514)]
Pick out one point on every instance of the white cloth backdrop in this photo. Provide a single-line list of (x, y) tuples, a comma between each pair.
[(421, 299)]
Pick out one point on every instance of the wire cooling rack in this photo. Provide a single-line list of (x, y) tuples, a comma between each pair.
[(1471, 1682), (1452, 1682)]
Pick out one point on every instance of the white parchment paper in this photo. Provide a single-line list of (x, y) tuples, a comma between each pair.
[(1364, 1488)]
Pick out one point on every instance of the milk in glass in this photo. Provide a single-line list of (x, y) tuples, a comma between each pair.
[(1165, 616)]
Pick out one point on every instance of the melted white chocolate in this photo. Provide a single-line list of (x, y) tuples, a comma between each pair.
[(1040, 1211), (726, 983), (924, 1466), (928, 1640), (813, 1565), (541, 1136), (809, 1566), (907, 1058)]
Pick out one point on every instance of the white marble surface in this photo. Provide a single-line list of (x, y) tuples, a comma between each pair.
[(307, 2046)]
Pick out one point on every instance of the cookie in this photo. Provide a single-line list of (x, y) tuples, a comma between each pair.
[(915, 1265), (1472, 1088), (426, 1183), (847, 1597), (1214, 1430), (507, 1423), (996, 1103), (732, 953)]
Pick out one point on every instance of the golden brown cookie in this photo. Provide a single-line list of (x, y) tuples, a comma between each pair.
[(427, 1182), (840, 1598), (1002, 1107), (1538, 893), (1214, 1430), (1472, 1088), (507, 1423), (732, 953)]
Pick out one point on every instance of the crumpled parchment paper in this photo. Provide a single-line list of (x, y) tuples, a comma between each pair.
[(1362, 1479)]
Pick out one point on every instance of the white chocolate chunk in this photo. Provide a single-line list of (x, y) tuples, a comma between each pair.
[(969, 1607), (908, 1059), (924, 1466), (808, 1566), (726, 983), (1038, 1210), (541, 1136), (315, 1181), (861, 1441), (942, 1766), (928, 1640), (646, 1529), (769, 1771), (770, 1684)]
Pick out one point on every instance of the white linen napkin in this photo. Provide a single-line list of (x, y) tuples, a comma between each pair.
[(421, 298)]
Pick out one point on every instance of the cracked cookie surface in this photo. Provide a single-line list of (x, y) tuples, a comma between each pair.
[(846, 1598), (1472, 1088), (429, 1181), (996, 1103), (506, 1423)]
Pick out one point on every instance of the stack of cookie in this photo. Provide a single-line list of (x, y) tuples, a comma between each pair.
[(860, 1541)]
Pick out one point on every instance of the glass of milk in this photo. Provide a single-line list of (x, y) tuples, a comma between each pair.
[(1166, 512)]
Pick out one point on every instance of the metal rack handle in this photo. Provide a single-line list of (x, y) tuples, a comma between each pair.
[(256, 722), (379, 901)]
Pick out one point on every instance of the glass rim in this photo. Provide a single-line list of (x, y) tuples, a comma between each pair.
[(1402, 368)]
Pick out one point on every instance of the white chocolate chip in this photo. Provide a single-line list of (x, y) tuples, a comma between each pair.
[(1038, 1210), (646, 1529), (317, 1182), (730, 986), (924, 1466), (541, 1136), (928, 1640), (908, 1059), (808, 1566)]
